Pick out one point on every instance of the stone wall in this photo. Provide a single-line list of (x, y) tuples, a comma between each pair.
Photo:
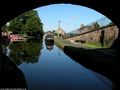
[(105, 36), (111, 34)]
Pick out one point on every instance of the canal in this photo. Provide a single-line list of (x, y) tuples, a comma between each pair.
[(47, 67)]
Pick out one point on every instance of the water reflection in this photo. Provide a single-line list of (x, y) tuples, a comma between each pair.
[(49, 44), (59, 72), (21, 52), (12, 76), (54, 70), (6, 50)]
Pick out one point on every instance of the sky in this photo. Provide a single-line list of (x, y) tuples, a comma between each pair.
[(71, 16)]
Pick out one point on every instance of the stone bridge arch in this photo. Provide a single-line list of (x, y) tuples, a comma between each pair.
[(9, 9)]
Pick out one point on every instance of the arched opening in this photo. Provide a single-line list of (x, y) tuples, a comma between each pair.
[(101, 33), (20, 7)]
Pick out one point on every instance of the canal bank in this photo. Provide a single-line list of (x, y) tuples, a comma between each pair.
[(101, 60)]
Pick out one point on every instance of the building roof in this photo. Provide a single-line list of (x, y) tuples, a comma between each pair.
[(60, 30)]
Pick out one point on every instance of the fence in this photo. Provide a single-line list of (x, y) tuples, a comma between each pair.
[(102, 22)]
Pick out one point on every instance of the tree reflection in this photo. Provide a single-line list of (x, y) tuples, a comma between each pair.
[(28, 51)]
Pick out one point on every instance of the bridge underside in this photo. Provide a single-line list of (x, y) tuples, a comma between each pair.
[(12, 8), (15, 7)]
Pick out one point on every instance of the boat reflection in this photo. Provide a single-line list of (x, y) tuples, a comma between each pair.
[(49, 44)]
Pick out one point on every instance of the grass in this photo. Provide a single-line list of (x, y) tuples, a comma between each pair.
[(62, 42), (84, 49), (92, 45)]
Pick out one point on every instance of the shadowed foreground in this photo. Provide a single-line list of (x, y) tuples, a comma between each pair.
[(12, 77), (107, 65)]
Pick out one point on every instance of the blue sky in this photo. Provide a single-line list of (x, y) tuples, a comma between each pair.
[(71, 16)]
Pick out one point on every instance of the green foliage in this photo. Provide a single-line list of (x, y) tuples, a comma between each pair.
[(4, 28), (96, 26), (92, 45), (15, 25), (25, 52), (55, 33), (62, 42), (25, 23), (111, 23)]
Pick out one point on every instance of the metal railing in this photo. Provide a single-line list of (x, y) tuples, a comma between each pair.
[(101, 23)]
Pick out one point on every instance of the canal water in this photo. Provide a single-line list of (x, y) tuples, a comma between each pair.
[(46, 67)]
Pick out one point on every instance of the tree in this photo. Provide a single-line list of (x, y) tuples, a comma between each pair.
[(33, 23), (15, 25), (96, 26), (4, 28), (54, 32), (27, 23), (111, 23)]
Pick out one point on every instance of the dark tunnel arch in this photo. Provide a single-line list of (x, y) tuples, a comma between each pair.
[(109, 8), (15, 8)]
